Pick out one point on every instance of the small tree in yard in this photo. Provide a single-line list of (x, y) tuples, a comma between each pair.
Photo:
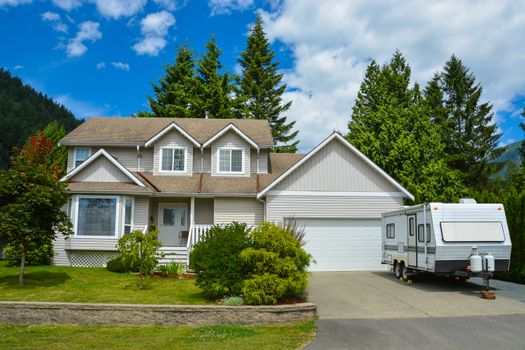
[(139, 251), (31, 200), (277, 265)]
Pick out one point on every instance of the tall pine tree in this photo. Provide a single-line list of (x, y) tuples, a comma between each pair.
[(214, 88), (260, 89), (391, 125), (175, 96), (467, 128)]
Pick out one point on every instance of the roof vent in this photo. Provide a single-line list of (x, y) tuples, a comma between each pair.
[(467, 201)]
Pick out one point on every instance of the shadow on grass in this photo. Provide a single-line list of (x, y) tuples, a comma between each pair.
[(35, 279)]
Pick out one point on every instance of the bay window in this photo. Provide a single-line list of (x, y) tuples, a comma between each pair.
[(97, 216), (231, 160), (128, 215)]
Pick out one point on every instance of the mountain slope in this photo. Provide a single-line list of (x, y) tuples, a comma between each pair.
[(23, 111)]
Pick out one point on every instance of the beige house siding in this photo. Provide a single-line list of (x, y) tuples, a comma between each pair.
[(177, 140), (101, 170), (263, 161), (206, 164), (358, 207), (146, 160), (61, 256), (230, 139), (141, 214), (335, 168), (248, 210), (203, 211)]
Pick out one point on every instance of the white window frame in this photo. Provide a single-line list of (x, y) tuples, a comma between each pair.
[(117, 216), (75, 155), (173, 171), (218, 161), (132, 222)]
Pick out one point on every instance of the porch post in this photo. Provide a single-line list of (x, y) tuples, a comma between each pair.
[(192, 211)]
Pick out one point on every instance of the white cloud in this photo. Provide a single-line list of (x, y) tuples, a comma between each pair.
[(88, 31), (14, 2), (120, 65), (333, 41), (222, 7), (170, 5), (154, 28), (81, 109), (55, 20), (18, 67), (67, 5), (101, 65), (119, 8)]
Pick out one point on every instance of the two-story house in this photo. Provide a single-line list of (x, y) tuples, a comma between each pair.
[(184, 175)]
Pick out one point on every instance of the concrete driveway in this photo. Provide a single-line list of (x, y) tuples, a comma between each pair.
[(373, 310)]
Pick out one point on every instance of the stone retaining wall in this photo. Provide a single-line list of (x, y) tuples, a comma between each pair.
[(168, 315)]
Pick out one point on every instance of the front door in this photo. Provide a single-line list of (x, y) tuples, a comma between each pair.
[(412, 240), (173, 221)]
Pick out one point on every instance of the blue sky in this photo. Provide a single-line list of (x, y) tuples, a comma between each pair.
[(98, 57)]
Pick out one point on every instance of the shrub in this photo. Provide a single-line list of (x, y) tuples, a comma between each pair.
[(277, 265), (117, 265), (172, 268), (42, 255), (216, 259), (233, 301), (139, 251)]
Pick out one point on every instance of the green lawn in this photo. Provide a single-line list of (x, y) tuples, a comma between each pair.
[(93, 285), (71, 337)]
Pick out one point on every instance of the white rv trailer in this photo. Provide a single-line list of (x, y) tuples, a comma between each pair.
[(462, 240)]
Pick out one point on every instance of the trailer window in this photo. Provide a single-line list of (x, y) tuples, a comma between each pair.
[(411, 226), (421, 233), (390, 231), (463, 231)]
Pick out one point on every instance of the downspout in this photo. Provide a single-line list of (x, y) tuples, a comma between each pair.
[(202, 160), (138, 158), (258, 167), (259, 199)]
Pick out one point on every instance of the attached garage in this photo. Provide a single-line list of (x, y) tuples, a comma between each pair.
[(343, 244), (338, 195)]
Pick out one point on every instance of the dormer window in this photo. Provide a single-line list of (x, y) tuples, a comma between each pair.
[(81, 154), (231, 160), (173, 159)]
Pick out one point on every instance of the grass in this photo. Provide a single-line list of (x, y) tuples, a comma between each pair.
[(71, 337), (93, 285)]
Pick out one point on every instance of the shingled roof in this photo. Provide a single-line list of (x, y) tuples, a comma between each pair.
[(207, 184), (136, 131)]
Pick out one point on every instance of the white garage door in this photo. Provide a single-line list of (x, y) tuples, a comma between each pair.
[(343, 244)]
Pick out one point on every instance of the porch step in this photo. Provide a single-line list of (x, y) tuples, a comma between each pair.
[(173, 254)]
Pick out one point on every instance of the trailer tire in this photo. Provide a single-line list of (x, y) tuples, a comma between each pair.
[(404, 273), (398, 267)]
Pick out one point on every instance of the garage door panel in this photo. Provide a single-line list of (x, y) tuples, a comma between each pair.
[(343, 244)]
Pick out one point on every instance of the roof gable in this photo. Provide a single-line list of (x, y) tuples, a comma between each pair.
[(94, 159), (230, 127), (379, 178)]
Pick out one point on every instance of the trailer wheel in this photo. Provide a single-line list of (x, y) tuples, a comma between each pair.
[(398, 267), (405, 273)]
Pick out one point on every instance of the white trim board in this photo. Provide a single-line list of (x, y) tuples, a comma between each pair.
[(337, 136), (236, 130), (334, 194), (166, 130), (93, 157)]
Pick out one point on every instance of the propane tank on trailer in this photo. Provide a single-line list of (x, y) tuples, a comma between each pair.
[(488, 263), (476, 265)]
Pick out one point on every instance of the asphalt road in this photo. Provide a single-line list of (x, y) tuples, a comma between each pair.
[(373, 310)]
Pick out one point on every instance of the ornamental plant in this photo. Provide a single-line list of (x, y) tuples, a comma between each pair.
[(216, 260), (139, 251), (276, 263)]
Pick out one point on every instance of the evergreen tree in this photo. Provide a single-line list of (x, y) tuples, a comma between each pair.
[(522, 147), (391, 125), (175, 96), (260, 89), (467, 127), (23, 111), (214, 88)]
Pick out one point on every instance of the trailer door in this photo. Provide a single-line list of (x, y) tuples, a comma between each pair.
[(412, 240)]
